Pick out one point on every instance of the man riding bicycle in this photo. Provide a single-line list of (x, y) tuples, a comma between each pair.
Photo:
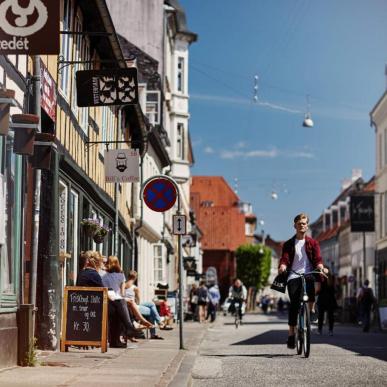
[(238, 295), (302, 255)]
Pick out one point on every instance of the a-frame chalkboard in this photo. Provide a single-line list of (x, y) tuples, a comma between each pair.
[(84, 317)]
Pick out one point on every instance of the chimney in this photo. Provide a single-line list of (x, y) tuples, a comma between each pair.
[(356, 174), (345, 183)]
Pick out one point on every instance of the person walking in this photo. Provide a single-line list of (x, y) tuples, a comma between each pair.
[(193, 301), (302, 255), (326, 302), (366, 300), (214, 298), (202, 293)]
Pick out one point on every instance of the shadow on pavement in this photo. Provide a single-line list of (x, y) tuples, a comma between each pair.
[(258, 322), (267, 355), (351, 339)]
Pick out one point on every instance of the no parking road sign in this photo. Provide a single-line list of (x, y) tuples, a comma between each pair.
[(159, 194)]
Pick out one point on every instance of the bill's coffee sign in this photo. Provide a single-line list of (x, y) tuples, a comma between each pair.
[(362, 213), (107, 87), (29, 27)]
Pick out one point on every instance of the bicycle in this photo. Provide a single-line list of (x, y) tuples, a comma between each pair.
[(303, 329), (237, 312)]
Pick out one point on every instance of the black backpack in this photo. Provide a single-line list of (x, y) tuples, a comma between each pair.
[(367, 297), (202, 295)]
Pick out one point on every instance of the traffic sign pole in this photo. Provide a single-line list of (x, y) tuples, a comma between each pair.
[(179, 250)]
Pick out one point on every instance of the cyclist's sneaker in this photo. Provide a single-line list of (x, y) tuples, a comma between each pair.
[(291, 342), (313, 316)]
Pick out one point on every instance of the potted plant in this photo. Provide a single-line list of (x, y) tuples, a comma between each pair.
[(25, 136), (4, 111), (100, 234), (91, 226)]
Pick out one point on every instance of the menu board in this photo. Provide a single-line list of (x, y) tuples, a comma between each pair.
[(84, 317)]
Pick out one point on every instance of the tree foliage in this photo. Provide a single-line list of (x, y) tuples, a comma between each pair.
[(253, 265)]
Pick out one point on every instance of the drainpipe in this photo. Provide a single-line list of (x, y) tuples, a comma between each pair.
[(36, 204)]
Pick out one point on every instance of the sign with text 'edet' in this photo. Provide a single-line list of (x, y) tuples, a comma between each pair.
[(29, 27), (122, 166), (107, 87), (362, 213)]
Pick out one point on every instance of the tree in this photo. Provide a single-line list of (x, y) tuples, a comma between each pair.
[(253, 265)]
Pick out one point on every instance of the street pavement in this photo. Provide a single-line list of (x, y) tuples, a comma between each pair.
[(255, 354), (147, 363)]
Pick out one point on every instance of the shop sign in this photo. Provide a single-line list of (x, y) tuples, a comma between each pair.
[(362, 213), (29, 27), (63, 218), (48, 92), (189, 263), (107, 87), (122, 166)]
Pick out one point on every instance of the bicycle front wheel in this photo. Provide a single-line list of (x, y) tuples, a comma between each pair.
[(306, 333), (299, 332)]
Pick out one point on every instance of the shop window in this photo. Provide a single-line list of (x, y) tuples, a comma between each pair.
[(10, 223), (158, 263)]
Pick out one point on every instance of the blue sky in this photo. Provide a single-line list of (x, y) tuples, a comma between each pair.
[(333, 50)]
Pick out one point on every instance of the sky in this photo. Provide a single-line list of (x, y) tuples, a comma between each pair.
[(335, 51)]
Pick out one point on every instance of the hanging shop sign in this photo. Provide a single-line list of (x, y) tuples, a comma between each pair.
[(107, 87), (362, 213), (122, 166), (29, 27), (48, 92), (189, 263)]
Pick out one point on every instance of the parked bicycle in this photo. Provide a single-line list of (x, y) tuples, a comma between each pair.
[(303, 328)]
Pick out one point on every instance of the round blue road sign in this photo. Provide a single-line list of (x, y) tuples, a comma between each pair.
[(159, 195)]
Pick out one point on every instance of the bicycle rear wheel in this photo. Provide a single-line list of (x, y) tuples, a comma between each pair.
[(299, 332), (306, 333)]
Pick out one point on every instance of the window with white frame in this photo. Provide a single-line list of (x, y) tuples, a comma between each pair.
[(158, 263), (180, 74), (152, 110), (385, 146), (65, 46), (180, 140), (104, 128), (81, 53)]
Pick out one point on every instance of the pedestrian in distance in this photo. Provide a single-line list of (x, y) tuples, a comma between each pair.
[(302, 255), (214, 298), (326, 302), (203, 299), (366, 300), (193, 301)]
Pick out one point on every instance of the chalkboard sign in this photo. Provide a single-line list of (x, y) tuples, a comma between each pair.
[(84, 317)]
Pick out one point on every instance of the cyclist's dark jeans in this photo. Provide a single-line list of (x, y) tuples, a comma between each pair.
[(295, 291), (232, 306)]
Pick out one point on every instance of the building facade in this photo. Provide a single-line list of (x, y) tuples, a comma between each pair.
[(379, 122)]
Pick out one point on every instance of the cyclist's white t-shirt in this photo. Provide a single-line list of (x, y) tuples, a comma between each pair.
[(301, 263)]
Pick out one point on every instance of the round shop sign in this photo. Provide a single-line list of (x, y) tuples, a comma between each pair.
[(159, 194)]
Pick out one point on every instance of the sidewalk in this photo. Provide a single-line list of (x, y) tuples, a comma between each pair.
[(152, 363)]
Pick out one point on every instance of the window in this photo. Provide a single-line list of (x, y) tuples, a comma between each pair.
[(385, 215), (152, 110), (180, 141), (385, 146), (65, 46), (73, 227), (381, 198), (81, 53), (10, 223), (180, 74), (104, 128), (158, 263)]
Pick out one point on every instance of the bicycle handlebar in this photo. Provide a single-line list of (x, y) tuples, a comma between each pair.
[(311, 272)]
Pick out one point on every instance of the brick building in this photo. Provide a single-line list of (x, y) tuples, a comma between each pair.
[(219, 217)]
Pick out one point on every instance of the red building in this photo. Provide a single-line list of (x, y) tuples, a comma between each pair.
[(218, 215)]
